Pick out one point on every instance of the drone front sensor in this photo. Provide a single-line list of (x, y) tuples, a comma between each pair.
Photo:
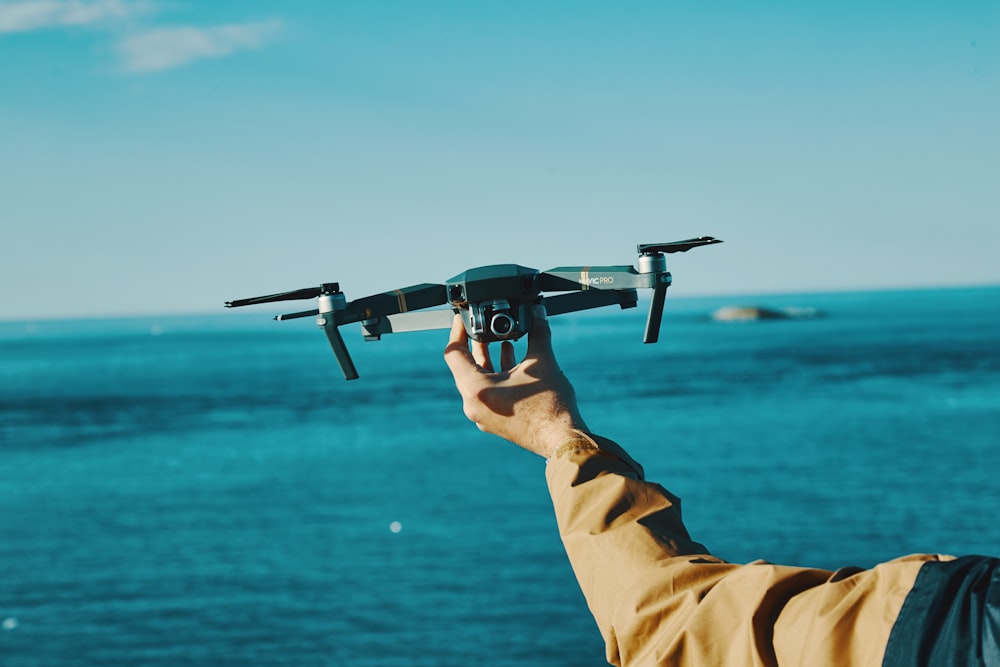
[(496, 302)]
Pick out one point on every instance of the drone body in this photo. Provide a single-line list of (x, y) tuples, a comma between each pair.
[(496, 302)]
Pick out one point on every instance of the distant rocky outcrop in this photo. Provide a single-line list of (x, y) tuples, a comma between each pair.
[(758, 313)]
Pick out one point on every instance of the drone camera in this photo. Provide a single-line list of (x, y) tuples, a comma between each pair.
[(498, 320), (501, 323)]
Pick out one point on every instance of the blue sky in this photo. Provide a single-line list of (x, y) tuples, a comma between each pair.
[(163, 157)]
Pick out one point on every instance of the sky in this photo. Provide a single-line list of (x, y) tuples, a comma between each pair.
[(163, 157)]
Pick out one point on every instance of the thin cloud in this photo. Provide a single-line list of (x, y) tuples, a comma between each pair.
[(38, 14), (166, 48)]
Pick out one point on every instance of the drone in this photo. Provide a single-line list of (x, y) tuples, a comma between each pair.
[(496, 302)]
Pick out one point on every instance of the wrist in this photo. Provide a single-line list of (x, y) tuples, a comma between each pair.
[(577, 442), (584, 445), (556, 438)]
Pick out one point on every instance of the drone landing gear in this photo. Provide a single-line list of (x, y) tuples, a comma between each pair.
[(329, 325), (652, 332), (332, 301)]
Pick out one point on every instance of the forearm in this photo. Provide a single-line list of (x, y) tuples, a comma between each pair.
[(616, 527), (658, 597)]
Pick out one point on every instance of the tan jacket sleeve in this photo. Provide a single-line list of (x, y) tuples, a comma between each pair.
[(659, 598)]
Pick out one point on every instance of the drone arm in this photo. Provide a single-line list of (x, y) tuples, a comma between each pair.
[(574, 301), (442, 319), (405, 300), (402, 322), (568, 278)]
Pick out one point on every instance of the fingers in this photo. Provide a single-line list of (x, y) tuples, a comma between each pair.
[(458, 357), (457, 338), (481, 353), (456, 354), (461, 359), (507, 359), (540, 336)]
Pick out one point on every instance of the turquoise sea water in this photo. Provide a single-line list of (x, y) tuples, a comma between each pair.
[(208, 490)]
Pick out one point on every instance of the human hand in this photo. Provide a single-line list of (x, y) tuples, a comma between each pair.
[(531, 403)]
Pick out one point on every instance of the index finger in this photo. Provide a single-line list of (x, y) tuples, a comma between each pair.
[(457, 354)]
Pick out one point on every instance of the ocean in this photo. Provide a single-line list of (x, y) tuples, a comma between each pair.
[(209, 491)]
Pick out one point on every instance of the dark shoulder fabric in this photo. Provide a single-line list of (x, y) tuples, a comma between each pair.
[(951, 617)]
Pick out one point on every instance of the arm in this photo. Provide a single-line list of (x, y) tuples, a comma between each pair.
[(658, 597)]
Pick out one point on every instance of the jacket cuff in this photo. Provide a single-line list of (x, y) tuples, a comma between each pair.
[(585, 446)]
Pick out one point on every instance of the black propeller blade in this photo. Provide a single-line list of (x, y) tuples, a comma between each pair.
[(676, 246), (294, 295)]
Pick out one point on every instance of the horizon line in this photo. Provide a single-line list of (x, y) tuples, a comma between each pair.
[(222, 311)]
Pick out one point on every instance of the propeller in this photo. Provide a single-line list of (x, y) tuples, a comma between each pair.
[(294, 295), (676, 246), (651, 260)]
